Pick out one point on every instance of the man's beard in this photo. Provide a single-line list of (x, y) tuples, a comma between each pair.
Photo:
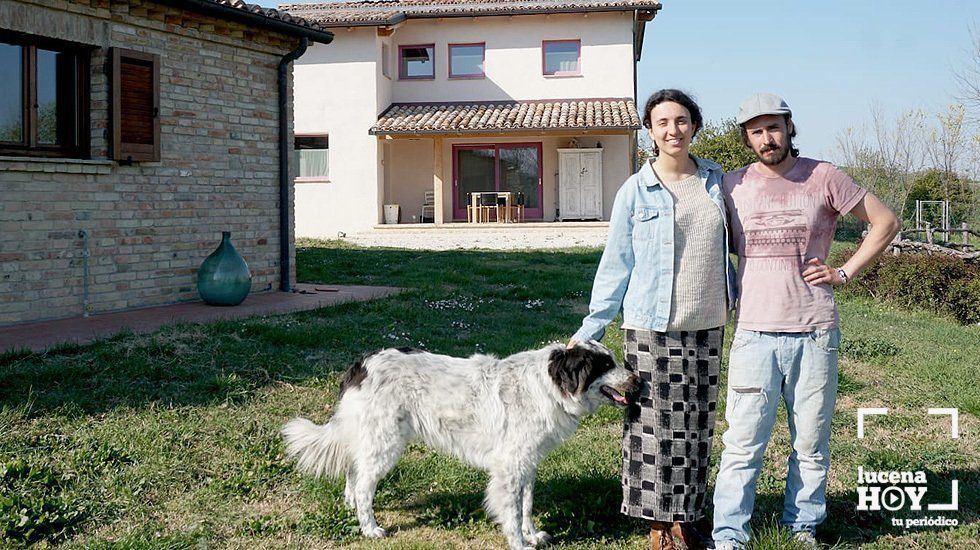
[(780, 156)]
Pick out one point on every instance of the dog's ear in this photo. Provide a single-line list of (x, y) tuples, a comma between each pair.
[(567, 368)]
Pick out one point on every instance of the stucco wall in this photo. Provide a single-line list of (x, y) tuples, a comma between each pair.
[(151, 224), (411, 176), (336, 94), (513, 57)]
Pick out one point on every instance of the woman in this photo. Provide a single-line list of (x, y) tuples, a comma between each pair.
[(666, 266)]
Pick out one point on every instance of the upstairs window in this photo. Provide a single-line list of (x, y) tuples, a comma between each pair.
[(43, 98), (416, 62), (312, 158), (467, 60), (561, 57)]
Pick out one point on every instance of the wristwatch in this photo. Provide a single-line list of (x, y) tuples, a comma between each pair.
[(843, 275)]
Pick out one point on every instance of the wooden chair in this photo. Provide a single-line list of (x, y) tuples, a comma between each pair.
[(470, 208), (428, 207), (517, 208), (487, 203), (502, 208)]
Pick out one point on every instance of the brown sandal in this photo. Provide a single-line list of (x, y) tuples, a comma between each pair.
[(660, 537)]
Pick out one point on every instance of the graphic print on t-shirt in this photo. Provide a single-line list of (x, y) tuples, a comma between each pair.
[(778, 224), (775, 234)]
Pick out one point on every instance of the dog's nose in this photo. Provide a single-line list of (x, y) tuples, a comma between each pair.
[(634, 382)]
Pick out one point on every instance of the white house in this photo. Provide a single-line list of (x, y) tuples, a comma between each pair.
[(464, 96)]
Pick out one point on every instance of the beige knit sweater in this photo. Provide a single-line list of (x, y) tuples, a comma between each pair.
[(698, 299)]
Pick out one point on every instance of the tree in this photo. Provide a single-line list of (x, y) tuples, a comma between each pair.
[(936, 185), (949, 148), (885, 163), (968, 78), (722, 143)]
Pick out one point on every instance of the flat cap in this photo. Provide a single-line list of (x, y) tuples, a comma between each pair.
[(762, 104)]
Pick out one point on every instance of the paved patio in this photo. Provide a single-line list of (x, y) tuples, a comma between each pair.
[(82, 330), (487, 236)]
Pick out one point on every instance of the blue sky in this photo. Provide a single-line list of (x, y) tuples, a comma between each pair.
[(830, 59)]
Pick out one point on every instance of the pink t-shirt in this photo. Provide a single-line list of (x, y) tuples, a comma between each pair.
[(778, 223)]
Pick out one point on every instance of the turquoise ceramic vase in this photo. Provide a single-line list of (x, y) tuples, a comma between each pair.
[(224, 278)]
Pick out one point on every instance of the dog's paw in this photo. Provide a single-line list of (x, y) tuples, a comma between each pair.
[(539, 538), (374, 533)]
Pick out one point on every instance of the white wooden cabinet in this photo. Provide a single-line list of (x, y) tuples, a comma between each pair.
[(579, 184)]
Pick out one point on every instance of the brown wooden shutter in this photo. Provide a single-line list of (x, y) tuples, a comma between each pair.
[(135, 106)]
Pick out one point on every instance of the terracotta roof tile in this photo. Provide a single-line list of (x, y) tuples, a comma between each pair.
[(388, 12), (270, 13), (493, 116)]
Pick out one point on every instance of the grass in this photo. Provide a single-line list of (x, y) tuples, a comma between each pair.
[(169, 440)]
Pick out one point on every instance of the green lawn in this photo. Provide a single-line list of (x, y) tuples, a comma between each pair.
[(169, 440)]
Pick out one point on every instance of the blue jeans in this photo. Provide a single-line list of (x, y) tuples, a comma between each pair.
[(800, 367)]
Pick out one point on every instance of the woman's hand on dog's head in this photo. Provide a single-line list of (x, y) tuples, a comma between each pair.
[(571, 343)]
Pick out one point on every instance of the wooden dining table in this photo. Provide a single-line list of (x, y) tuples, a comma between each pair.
[(508, 197)]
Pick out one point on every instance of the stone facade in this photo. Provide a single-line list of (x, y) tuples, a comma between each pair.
[(149, 224)]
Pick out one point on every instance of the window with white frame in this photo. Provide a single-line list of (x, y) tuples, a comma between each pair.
[(312, 158), (561, 57)]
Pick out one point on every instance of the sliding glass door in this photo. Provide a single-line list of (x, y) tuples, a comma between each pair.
[(513, 167)]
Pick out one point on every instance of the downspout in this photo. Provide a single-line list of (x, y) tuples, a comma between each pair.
[(634, 139), (284, 220)]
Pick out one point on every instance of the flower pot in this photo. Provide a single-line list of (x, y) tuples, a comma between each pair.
[(224, 278), (392, 213)]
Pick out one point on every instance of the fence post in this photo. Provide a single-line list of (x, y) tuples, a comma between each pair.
[(928, 232), (966, 236)]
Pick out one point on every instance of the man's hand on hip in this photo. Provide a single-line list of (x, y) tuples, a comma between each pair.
[(819, 273)]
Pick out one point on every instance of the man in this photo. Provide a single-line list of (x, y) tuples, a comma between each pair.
[(784, 210)]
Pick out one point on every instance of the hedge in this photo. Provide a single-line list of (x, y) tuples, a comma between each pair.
[(942, 284)]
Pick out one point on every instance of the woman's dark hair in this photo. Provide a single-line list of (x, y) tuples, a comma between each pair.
[(679, 97)]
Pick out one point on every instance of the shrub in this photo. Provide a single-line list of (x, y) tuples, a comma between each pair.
[(942, 284)]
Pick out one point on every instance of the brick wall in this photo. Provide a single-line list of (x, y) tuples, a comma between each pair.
[(151, 224)]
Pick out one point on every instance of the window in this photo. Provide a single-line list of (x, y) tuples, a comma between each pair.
[(43, 97), (467, 60), (561, 57), (385, 56), (135, 101), (312, 156), (416, 62)]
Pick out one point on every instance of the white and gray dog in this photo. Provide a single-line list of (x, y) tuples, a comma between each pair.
[(501, 415)]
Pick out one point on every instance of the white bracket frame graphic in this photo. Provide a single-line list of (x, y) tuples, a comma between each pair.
[(954, 420), (864, 411)]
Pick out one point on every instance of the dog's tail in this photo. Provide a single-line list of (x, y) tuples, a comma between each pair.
[(319, 450)]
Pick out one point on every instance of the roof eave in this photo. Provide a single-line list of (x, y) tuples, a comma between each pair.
[(641, 19), (550, 130), (402, 16), (239, 15)]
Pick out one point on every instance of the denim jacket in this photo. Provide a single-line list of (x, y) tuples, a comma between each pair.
[(636, 272)]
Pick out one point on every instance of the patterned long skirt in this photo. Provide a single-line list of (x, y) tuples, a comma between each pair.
[(668, 431)]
